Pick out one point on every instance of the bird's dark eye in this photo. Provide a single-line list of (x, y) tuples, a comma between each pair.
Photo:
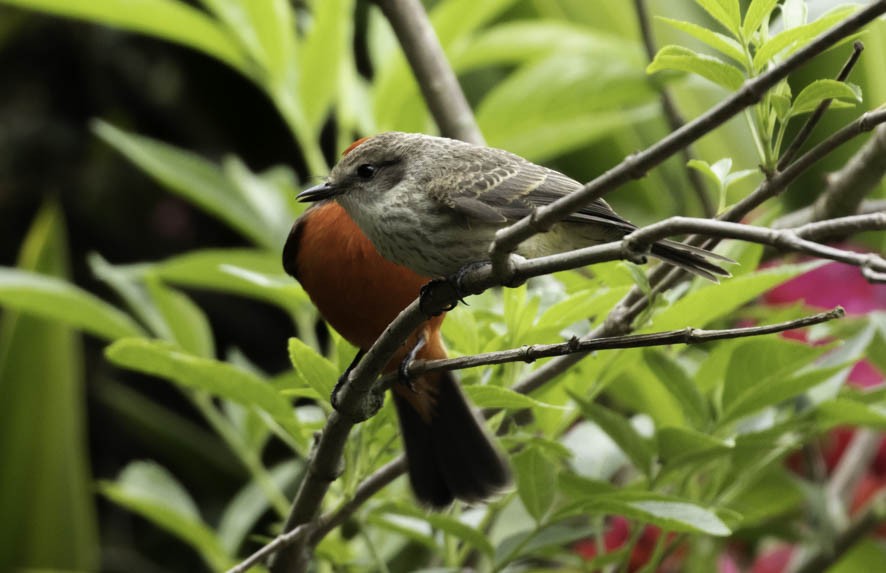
[(366, 171)]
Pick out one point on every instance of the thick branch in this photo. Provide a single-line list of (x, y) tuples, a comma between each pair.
[(435, 77)]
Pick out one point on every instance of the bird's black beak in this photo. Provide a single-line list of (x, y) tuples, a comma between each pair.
[(318, 193)]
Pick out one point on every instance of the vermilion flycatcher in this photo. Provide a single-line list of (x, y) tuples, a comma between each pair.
[(359, 293), (434, 204)]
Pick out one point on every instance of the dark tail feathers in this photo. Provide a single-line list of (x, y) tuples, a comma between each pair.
[(692, 259), (452, 457)]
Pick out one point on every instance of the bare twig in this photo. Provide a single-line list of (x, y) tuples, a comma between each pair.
[(853, 464), (435, 77), (815, 117), (533, 352), (672, 114)]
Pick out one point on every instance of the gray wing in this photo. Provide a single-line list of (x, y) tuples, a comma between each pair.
[(503, 187)]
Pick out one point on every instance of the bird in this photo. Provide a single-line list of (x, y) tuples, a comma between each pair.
[(433, 205), (449, 453)]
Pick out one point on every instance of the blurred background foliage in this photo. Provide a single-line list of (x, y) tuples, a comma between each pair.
[(149, 154)]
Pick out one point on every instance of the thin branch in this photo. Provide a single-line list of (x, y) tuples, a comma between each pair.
[(815, 117), (533, 352), (637, 165), (672, 114), (854, 462), (435, 77), (278, 543)]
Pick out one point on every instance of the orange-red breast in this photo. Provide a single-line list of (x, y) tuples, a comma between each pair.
[(450, 455)]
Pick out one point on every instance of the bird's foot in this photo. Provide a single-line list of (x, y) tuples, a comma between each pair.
[(450, 289), (403, 369)]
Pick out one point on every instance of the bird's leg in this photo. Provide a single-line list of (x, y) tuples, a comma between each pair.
[(403, 369), (454, 290), (344, 377)]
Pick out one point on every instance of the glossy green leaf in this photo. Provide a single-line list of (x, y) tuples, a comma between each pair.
[(536, 481), (195, 179), (619, 428), (586, 304), (166, 19), (794, 38), (671, 514), (153, 493), (188, 325), (845, 412), (487, 396), (678, 446), (726, 12), (220, 379), (324, 52), (757, 13), (678, 382), (820, 90), (723, 44), (683, 59), (313, 370), (49, 514), (61, 301)]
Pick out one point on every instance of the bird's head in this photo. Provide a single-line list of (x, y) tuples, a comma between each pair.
[(371, 168)]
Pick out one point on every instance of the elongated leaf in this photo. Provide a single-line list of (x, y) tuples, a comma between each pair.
[(194, 178), (150, 491), (723, 44), (159, 358), (188, 326), (685, 60), (166, 19), (619, 428), (681, 445), (797, 37), (669, 513), (757, 13), (49, 516), (61, 301), (678, 382), (820, 90), (485, 396), (312, 369), (726, 12), (536, 478), (845, 412)]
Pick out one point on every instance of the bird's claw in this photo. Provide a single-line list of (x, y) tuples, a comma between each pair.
[(403, 368), (454, 291)]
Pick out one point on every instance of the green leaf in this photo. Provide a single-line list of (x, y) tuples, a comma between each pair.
[(48, 508), (166, 19), (536, 481), (776, 390), (710, 302), (821, 90), (188, 326), (449, 524), (671, 514), (619, 428), (252, 273), (58, 300), (487, 396), (678, 382), (726, 12), (195, 179), (757, 13), (585, 304), (723, 44), (678, 446), (795, 38), (685, 60), (757, 360), (314, 370), (249, 505), (845, 412), (161, 359), (152, 492)]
